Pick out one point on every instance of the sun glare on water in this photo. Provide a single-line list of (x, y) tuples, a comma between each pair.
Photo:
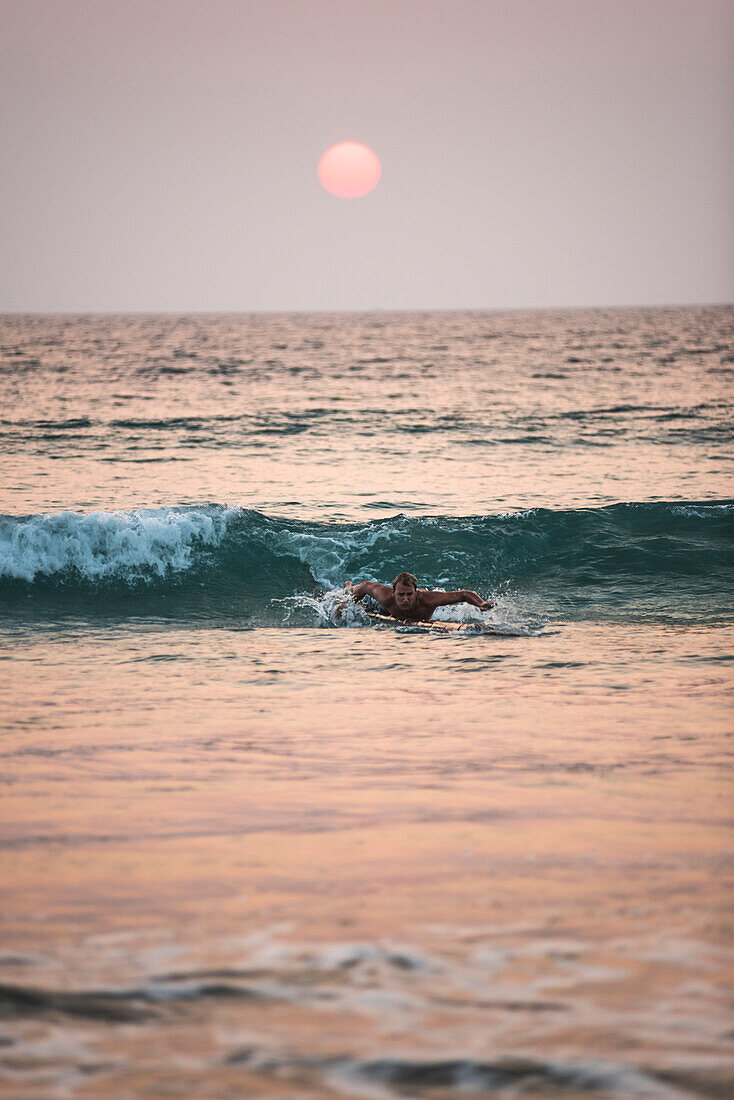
[(349, 170)]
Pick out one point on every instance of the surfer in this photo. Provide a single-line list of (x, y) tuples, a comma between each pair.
[(405, 600)]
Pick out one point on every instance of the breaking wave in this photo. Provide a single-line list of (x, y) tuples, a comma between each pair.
[(630, 560)]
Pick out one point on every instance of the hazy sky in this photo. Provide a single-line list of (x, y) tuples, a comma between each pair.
[(162, 154)]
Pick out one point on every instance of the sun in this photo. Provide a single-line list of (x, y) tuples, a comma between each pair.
[(350, 170)]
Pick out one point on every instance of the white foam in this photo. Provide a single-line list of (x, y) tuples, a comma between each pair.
[(102, 544), (461, 613), (326, 555), (703, 511), (333, 608)]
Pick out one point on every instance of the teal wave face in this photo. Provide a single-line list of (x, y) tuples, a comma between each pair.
[(670, 560)]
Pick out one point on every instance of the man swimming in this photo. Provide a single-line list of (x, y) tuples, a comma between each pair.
[(405, 600)]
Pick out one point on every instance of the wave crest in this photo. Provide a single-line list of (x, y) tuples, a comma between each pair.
[(132, 545)]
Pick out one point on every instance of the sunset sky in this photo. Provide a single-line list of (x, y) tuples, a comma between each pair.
[(163, 154)]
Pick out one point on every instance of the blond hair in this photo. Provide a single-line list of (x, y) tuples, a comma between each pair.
[(405, 578)]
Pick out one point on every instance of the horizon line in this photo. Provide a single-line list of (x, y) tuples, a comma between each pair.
[(353, 312)]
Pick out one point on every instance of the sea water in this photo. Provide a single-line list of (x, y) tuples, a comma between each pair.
[(254, 848)]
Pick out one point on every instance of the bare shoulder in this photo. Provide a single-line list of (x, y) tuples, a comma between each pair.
[(381, 592), (381, 589)]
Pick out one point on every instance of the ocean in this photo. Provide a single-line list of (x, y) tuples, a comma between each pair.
[(254, 848)]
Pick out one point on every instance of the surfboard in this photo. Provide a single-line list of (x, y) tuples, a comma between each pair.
[(421, 627)]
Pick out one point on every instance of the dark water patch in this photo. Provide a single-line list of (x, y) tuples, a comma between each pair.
[(456, 1076), (382, 505), (120, 1005), (710, 659), (82, 840), (604, 411), (470, 665), (545, 440), (502, 1005), (58, 425), (563, 664), (132, 461), (26, 1001), (47, 437), (200, 991), (223, 972), (712, 1084), (691, 411), (475, 1076), (594, 440), (164, 424), (712, 350), (711, 433), (20, 364)]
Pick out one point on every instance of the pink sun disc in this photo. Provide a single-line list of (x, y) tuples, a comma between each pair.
[(349, 170)]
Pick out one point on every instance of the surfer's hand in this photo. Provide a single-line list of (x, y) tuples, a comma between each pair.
[(348, 586), (487, 605)]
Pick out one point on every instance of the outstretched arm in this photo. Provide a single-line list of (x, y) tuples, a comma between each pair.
[(356, 592), (379, 592), (442, 599)]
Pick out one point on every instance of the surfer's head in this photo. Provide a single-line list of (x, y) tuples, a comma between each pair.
[(405, 587)]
